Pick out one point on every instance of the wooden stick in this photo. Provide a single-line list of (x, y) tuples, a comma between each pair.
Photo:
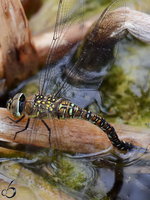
[(71, 135)]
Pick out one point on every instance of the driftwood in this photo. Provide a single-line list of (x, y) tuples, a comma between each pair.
[(18, 55), (22, 54), (72, 135)]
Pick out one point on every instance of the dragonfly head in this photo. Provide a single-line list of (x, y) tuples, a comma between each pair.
[(16, 104)]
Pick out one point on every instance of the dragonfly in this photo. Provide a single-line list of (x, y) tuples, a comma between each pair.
[(46, 105)]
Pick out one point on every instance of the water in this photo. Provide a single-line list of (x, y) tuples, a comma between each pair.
[(102, 177)]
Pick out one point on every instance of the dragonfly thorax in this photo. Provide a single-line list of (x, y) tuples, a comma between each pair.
[(16, 104), (43, 105)]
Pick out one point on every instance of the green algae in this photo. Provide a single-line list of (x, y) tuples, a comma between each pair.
[(71, 173), (127, 87)]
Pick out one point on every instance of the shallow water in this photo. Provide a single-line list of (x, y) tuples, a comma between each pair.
[(108, 176)]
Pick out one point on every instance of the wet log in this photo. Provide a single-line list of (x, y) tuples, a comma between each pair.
[(71, 135), (21, 54)]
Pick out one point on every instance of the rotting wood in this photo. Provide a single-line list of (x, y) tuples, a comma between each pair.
[(72, 135)]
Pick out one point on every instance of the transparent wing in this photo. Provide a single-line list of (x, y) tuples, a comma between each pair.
[(96, 53), (66, 15)]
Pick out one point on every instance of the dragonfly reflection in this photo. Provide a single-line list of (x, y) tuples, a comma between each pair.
[(45, 105)]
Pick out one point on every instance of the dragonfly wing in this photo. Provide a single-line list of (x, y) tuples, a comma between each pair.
[(67, 14), (84, 77)]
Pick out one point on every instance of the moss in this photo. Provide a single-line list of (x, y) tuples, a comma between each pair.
[(71, 174), (127, 89)]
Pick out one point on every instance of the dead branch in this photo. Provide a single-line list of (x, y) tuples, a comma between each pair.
[(72, 135)]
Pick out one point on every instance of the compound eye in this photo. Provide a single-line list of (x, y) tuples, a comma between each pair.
[(16, 105), (21, 103)]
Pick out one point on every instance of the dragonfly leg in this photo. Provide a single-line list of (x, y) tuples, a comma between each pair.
[(49, 130), (18, 120), (27, 124)]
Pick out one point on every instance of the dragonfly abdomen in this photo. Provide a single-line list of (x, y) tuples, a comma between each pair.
[(67, 109), (111, 133)]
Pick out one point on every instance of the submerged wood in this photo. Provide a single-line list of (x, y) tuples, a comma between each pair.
[(71, 135), (22, 54)]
